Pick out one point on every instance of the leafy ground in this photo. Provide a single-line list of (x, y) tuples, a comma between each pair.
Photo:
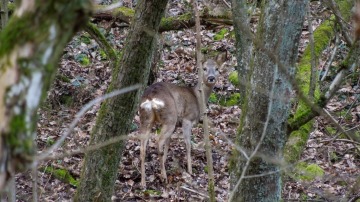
[(84, 74)]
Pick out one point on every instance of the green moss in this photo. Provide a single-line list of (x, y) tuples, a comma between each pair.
[(344, 114), (206, 169), (296, 143), (19, 33), (234, 78), (333, 157), (17, 126), (308, 172), (106, 49), (83, 59), (126, 11), (233, 100), (232, 34), (67, 100), (331, 130), (345, 8), (85, 38), (10, 6), (221, 34), (103, 55), (150, 192), (213, 98), (167, 23), (322, 36), (63, 78), (356, 136), (61, 174), (204, 49), (297, 140), (304, 197), (50, 141)]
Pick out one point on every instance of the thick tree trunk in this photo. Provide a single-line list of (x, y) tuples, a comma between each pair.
[(30, 47), (100, 167), (244, 45), (263, 127)]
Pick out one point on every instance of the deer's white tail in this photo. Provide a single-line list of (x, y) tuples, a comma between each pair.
[(155, 103)]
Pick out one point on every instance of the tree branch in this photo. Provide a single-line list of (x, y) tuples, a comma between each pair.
[(184, 21)]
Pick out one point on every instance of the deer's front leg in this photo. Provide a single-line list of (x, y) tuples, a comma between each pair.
[(186, 127)]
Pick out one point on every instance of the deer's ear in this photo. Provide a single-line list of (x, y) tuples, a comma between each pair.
[(221, 58)]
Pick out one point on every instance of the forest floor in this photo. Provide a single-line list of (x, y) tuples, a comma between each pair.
[(84, 74)]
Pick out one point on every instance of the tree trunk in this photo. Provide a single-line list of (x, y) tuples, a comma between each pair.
[(30, 47), (243, 43), (4, 13), (267, 103), (100, 167)]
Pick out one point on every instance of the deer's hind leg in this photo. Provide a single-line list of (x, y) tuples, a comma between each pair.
[(147, 120), (164, 141)]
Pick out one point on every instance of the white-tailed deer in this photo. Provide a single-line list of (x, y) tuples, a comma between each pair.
[(169, 104)]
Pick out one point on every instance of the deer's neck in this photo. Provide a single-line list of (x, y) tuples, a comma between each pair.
[(207, 92)]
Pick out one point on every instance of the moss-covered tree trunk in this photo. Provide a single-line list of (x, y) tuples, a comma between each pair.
[(300, 124), (30, 47), (100, 167), (267, 103)]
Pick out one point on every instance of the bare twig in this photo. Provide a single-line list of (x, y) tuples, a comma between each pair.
[(312, 85), (195, 191), (109, 7), (335, 84), (11, 190), (34, 180), (84, 149), (226, 3), (237, 147), (341, 140), (209, 159), (45, 154), (327, 68), (339, 19)]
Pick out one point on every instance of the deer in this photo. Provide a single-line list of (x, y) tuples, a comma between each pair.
[(169, 104)]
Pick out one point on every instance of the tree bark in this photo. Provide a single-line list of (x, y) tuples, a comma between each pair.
[(100, 167), (4, 13), (30, 47), (262, 131), (243, 44)]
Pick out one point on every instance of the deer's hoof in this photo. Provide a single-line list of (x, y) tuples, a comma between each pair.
[(164, 178)]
